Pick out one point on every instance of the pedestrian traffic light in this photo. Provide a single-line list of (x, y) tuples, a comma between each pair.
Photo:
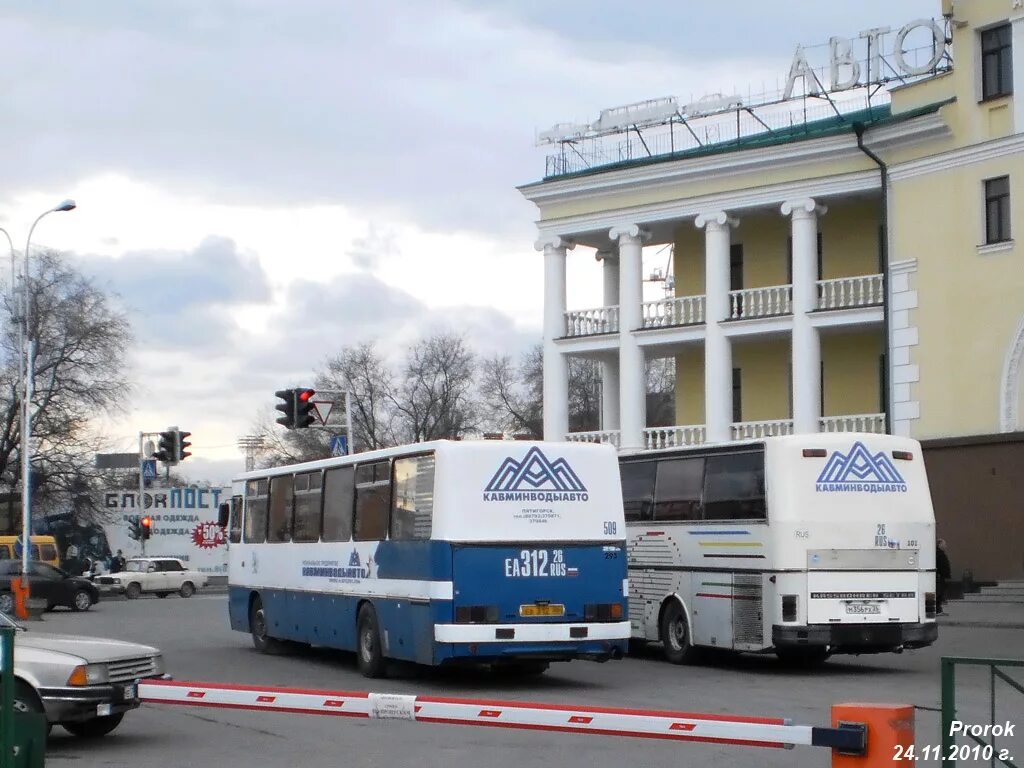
[(287, 407), (168, 447), (147, 527), (180, 454), (304, 408)]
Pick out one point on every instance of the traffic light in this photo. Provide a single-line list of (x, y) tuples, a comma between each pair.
[(304, 407), (180, 454), (146, 525), (297, 407), (287, 407), (168, 447)]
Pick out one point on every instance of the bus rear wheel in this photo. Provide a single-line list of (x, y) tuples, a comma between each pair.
[(675, 634), (260, 629), (369, 654)]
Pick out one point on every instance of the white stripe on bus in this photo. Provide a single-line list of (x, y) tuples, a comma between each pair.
[(530, 633)]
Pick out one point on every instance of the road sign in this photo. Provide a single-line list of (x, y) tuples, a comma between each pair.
[(339, 445), (323, 409), (149, 469)]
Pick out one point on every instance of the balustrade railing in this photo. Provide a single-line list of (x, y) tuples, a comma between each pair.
[(770, 301), (610, 436), (861, 422), (753, 430), (681, 310), (674, 437), (850, 292), (589, 322)]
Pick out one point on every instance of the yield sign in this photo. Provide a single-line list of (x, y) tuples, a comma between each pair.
[(323, 410)]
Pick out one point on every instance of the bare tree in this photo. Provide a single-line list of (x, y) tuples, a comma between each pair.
[(360, 371), (435, 397), (512, 395), (79, 373), (661, 392)]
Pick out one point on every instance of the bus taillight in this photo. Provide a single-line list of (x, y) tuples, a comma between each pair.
[(903, 455)]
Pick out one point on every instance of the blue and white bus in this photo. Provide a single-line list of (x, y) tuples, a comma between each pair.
[(502, 552)]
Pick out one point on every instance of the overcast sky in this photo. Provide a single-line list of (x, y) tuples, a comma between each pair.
[(263, 182)]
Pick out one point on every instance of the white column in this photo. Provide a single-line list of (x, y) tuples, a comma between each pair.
[(632, 381), (806, 346), (610, 365), (556, 364), (717, 347), (1017, 47)]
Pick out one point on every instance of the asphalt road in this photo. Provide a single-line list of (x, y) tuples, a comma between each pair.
[(199, 646)]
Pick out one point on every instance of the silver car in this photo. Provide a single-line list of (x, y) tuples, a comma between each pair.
[(85, 684)]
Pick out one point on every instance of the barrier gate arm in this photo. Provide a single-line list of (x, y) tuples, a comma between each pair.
[(847, 738)]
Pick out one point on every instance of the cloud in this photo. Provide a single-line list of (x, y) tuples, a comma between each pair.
[(183, 299)]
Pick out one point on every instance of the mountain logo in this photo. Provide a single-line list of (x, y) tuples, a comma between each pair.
[(860, 470), (535, 478)]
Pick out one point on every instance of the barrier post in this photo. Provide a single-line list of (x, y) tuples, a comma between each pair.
[(20, 594), (890, 731)]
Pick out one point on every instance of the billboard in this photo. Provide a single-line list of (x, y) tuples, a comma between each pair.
[(184, 525)]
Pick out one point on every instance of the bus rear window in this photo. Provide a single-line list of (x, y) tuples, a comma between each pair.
[(734, 487)]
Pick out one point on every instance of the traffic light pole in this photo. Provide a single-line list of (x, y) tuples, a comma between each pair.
[(142, 484)]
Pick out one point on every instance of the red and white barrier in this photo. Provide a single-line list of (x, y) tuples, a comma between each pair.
[(608, 721)]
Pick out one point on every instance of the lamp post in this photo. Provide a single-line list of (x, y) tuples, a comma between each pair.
[(26, 400)]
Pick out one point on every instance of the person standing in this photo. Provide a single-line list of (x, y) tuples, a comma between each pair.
[(943, 572), (117, 562)]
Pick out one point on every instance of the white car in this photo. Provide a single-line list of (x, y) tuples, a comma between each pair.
[(160, 576), (85, 684)]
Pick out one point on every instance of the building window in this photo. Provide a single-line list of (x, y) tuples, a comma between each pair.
[(736, 267), (997, 210), (996, 63), (737, 395)]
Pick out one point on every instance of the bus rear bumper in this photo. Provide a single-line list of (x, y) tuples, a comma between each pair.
[(856, 638), (531, 633)]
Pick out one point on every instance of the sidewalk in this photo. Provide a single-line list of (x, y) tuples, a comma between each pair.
[(975, 613)]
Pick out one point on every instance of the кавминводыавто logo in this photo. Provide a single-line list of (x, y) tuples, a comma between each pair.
[(860, 470), (535, 478)]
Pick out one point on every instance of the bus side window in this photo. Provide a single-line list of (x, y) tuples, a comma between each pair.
[(282, 496), (679, 490), (339, 497), (412, 505), (734, 487), (307, 507), (638, 488), (235, 521), (373, 501), (5, 552), (35, 552), (256, 511)]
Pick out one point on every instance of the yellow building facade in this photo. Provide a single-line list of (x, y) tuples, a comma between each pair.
[(843, 258), (913, 318)]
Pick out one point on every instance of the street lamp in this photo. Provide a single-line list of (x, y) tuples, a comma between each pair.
[(26, 400)]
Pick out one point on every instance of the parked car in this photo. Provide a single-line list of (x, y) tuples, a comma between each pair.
[(84, 684), (47, 583), (160, 576)]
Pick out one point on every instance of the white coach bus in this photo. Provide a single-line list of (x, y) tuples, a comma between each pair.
[(804, 545), (509, 553)]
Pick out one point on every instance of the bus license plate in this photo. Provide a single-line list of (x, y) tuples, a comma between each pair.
[(542, 610), (863, 609)]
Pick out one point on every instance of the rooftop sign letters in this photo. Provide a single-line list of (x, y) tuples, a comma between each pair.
[(864, 61)]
